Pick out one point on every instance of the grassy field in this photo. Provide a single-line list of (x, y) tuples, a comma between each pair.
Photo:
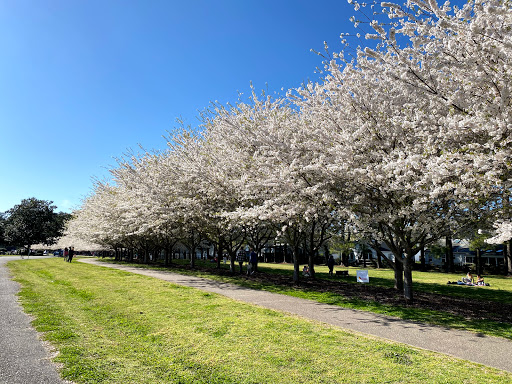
[(500, 288), (115, 327), (433, 282)]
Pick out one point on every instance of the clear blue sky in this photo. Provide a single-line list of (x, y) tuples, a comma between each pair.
[(83, 81)]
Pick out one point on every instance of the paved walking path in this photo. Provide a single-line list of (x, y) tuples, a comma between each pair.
[(23, 359), (487, 350)]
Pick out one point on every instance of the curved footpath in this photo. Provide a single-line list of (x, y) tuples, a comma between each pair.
[(491, 351), (23, 359)]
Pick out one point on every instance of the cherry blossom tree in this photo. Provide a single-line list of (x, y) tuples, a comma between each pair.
[(270, 143), (417, 126), (405, 141)]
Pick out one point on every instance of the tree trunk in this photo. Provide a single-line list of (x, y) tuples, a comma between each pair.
[(232, 263), (399, 274), (344, 259), (310, 248), (478, 262), (218, 252), (166, 253), (449, 255), (408, 261), (423, 267), (193, 256), (296, 265), (311, 264), (507, 247)]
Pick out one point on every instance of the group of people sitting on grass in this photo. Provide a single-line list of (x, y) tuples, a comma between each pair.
[(470, 280)]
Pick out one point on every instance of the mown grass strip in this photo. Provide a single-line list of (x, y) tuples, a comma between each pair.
[(116, 327), (431, 282)]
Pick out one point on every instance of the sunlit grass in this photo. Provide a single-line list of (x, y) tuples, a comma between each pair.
[(112, 326), (433, 282)]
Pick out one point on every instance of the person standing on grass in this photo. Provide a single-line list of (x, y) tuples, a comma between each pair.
[(330, 264), (254, 261), (66, 254), (71, 253)]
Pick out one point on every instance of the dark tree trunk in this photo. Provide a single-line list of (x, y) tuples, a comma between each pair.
[(399, 274), (296, 265), (217, 252), (408, 292), (232, 263), (423, 264), (311, 249), (449, 255), (311, 264), (507, 247), (192, 256), (344, 259), (478, 262), (166, 253)]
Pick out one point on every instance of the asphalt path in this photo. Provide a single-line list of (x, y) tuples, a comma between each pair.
[(23, 359), (487, 350)]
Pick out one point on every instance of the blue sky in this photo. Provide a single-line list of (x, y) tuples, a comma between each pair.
[(84, 81)]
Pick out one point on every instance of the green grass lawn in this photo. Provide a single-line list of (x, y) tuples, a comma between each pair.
[(500, 288), (111, 326), (433, 282)]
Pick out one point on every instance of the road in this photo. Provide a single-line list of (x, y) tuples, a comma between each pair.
[(23, 359)]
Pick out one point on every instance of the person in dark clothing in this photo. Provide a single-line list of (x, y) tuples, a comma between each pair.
[(254, 261), (71, 253), (330, 264)]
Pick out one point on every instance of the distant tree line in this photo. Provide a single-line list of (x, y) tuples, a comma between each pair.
[(32, 222)]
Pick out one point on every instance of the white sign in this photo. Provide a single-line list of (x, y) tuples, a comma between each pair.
[(362, 276)]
